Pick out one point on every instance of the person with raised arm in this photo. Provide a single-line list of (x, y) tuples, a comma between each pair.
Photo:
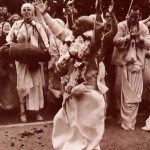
[(110, 30), (79, 124)]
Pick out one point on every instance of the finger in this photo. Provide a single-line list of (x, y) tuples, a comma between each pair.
[(40, 1), (46, 3)]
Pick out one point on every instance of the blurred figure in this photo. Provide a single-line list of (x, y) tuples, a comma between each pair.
[(110, 30), (5, 13), (13, 18), (9, 98), (5, 28), (1, 28), (1, 14)]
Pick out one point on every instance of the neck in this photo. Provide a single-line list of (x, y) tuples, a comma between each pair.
[(27, 20)]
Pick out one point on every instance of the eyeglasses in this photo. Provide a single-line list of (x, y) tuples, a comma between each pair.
[(26, 9)]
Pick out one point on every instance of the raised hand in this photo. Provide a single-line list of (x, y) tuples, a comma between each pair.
[(98, 6), (40, 5), (111, 7), (70, 2)]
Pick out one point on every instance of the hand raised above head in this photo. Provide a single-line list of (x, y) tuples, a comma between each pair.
[(40, 5), (111, 7), (70, 2), (98, 5)]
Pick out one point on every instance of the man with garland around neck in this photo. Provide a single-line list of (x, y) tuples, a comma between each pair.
[(79, 124)]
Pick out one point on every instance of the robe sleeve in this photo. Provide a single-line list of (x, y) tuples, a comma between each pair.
[(121, 40)]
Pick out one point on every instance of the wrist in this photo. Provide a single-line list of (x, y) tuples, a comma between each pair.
[(128, 38), (44, 12)]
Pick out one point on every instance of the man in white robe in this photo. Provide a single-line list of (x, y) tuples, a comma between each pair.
[(129, 54), (30, 81)]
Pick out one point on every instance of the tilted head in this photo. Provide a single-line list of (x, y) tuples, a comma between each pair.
[(6, 26), (82, 24), (134, 15), (27, 11)]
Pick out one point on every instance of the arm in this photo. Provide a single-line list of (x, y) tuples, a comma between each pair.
[(69, 14), (54, 26), (144, 36), (121, 40), (114, 26), (41, 20), (146, 20), (44, 36), (98, 27)]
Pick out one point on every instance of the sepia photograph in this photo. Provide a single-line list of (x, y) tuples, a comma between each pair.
[(75, 74)]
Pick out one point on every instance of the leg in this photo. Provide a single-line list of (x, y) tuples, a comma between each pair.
[(23, 117)]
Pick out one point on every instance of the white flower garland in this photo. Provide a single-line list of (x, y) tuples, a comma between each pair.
[(79, 51)]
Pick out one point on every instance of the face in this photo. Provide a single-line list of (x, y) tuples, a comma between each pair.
[(134, 17), (6, 27), (27, 13), (78, 28), (107, 18), (15, 19)]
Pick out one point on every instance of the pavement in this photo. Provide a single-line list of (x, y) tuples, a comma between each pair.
[(34, 135), (29, 136), (8, 117), (37, 136)]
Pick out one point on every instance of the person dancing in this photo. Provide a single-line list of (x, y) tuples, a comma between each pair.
[(79, 124)]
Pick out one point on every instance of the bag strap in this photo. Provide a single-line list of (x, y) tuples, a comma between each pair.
[(40, 38)]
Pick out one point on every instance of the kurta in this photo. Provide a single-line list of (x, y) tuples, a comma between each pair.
[(129, 58), (29, 82)]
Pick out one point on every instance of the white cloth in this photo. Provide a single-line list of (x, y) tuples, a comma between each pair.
[(132, 87), (148, 123), (79, 124), (29, 83)]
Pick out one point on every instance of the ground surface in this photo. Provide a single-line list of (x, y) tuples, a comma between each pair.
[(37, 136)]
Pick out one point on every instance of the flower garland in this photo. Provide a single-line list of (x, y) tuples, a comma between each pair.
[(79, 51)]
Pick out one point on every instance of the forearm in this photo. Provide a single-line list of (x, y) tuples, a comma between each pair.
[(98, 28), (122, 42), (54, 26), (70, 21), (145, 20), (114, 26)]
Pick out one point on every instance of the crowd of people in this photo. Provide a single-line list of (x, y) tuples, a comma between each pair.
[(98, 66)]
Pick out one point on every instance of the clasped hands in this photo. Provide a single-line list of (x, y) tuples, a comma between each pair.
[(137, 37)]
